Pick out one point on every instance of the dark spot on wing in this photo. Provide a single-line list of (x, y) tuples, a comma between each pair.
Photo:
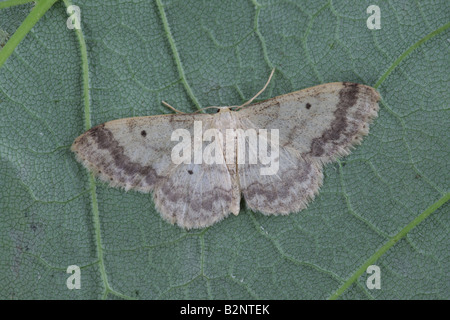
[(190, 171), (308, 106), (143, 133)]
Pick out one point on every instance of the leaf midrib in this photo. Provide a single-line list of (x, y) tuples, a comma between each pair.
[(390, 243)]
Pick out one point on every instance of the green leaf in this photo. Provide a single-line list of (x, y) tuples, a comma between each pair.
[(386, 204)]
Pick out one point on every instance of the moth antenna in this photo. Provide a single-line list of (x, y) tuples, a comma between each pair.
[(260, 91), (170, 107)]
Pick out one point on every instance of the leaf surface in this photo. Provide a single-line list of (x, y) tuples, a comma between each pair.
[(385, 204)]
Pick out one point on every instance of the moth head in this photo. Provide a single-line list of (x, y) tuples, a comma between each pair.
[(224, 109)]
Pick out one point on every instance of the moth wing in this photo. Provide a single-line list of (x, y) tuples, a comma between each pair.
[(195, 196), (320, 123), (285, 184), (136, 153), (133, 153)]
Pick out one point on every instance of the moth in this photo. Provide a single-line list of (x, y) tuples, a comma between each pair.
[(315, 126)]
